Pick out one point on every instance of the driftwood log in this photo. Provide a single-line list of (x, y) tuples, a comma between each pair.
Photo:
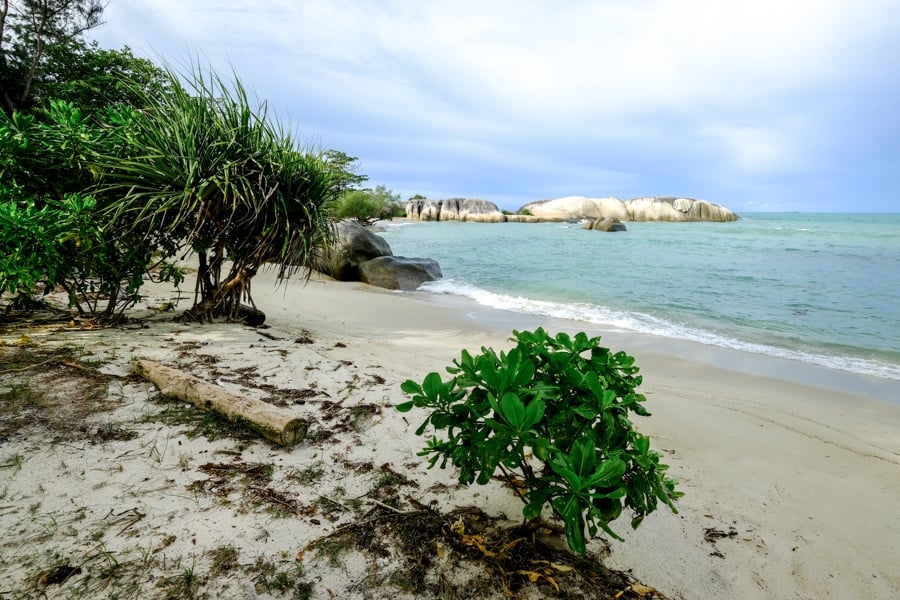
[(273, 423)]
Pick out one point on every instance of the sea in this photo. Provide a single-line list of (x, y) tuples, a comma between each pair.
[(820, 289)]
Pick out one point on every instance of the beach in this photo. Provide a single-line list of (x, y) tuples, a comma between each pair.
[(792, 485)]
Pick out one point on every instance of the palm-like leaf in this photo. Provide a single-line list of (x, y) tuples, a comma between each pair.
[(206, 168)]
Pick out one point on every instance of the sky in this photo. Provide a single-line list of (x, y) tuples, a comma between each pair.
[(759, 106)]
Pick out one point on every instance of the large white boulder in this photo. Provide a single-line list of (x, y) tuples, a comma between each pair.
[(454, 209), (423, 210), (575, 208), (676, 209)]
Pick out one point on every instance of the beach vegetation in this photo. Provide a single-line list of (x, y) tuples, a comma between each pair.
[(551, 418), (309, 475), (53, 233), (224, 559), (30, 30), (367, 206), (346, 172), (111, 167), (208, 167)]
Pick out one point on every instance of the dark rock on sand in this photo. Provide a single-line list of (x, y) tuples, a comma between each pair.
[(398, 272), (355, 244)]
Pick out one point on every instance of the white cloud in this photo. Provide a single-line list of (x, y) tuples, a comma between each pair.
[(754, 150), (626, 85), (531, 57)]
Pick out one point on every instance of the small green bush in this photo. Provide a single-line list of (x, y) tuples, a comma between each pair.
[(367, 206), (552, 415)]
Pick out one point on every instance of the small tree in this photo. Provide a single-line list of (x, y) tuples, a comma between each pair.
[(28, 28), (211, 170), (367, 206), (345, 172), (552, 415)]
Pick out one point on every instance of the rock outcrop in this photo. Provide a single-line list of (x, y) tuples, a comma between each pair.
[(677, 209), (399, 272), (604, 224), (570, 208), (454, 209), (355, 244), (423, 210), (516, 218), (576, 208), (468, 209)]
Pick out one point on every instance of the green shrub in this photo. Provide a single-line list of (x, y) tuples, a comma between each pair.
[(54, 232), (552, 415), (30, 249), (367, 206)]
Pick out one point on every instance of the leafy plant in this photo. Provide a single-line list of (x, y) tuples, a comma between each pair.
[(53, 231), (552, 415), (367, 206), (210, 169)]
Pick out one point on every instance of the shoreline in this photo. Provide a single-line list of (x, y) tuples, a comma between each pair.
[(793, 322), (745, 362), (791, 490), (806, 475)]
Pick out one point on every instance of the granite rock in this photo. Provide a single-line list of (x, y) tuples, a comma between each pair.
[(399, 272)]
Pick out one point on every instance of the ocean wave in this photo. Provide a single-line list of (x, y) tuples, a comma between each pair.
[(649, 324)]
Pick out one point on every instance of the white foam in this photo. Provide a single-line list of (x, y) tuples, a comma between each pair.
[(649, 324)]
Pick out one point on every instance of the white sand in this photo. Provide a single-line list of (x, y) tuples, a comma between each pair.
[(807, 479)]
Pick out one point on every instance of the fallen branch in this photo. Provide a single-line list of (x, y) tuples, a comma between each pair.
[(272, 422)]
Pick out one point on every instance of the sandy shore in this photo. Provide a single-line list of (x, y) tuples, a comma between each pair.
[(792, 490)]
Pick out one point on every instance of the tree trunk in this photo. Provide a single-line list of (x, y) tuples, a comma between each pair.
[(273, 423)]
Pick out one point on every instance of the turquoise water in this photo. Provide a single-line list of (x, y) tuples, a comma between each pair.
[(821, 288)]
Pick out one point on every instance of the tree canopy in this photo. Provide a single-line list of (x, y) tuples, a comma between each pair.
[(208, 168), (34, 35), (111, 166), (367, 206), (346, 171)]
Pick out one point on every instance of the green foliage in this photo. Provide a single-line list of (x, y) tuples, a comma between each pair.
[(345, 175), (93, 78), (367, 206), (30, 248), (552, 415), (204, 166), (36, 37), (53, 231)]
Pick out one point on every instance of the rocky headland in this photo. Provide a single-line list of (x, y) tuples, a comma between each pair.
[(570, 208)]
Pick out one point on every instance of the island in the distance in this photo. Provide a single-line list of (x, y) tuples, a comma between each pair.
[(570, 208)]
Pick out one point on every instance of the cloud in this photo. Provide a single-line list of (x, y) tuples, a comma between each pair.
[(538, 97)]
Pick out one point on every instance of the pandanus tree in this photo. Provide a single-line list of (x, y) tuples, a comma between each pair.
[(208, 168)]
